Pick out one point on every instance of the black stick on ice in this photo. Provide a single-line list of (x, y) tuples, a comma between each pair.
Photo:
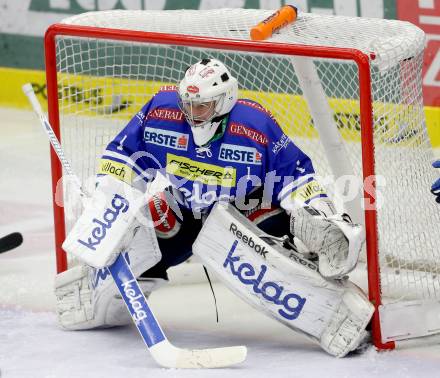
[(10, 241)]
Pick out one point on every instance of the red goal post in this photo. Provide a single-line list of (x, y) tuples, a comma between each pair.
[(243, 48)]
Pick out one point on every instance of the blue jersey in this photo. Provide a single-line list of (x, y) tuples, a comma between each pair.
[(253, 152)]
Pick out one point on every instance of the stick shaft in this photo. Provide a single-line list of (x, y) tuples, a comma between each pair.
[(136, 302), (162, 351), (30, 94)]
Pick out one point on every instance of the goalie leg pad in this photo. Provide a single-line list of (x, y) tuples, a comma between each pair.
[(80, 307), (291, 290), (73, 295), (346, 330)]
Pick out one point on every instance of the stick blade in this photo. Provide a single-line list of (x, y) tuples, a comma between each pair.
[(10, 241), (169, 356), (211, 358)]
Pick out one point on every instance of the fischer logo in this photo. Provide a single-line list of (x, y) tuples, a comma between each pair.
[(197, 171), (119, 205), (269, 290), (192, 89), (261, 250), (239, 154), (256, 136), (166, 114), (135, 299), (166, 138)]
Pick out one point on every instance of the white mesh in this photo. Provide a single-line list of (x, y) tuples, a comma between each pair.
[(390, 40), (103, 83)]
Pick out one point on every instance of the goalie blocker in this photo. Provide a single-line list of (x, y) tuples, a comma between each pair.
[(87, 297), (115, 219), (290, 289)]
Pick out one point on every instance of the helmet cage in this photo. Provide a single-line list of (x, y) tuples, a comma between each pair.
[(212, 109)]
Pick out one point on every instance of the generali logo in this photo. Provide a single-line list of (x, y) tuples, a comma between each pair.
[(192, 89), (166, 114), (256, 136), (168, 88)]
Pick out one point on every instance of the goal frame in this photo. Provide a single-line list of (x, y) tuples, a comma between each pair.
[(361, 59)]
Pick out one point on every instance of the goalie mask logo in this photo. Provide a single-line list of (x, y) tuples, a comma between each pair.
[(192, 89), (206, 72)]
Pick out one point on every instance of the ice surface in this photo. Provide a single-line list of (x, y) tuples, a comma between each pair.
[(31, 344)]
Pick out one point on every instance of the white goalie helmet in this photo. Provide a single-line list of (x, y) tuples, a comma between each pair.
[(207, 91)]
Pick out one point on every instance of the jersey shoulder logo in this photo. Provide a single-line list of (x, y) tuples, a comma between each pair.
[(281, 143), (308, 191), (248, 132), (165, 114), (168, 88), (115, 169), (166, 138), (257, 106)]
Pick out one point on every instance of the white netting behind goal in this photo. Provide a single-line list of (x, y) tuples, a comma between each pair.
[(102, 83)]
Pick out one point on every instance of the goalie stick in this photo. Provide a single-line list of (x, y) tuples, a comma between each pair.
[(10, 241), (163, 352)]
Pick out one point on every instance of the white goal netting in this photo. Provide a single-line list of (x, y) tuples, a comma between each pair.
[(102, 83)]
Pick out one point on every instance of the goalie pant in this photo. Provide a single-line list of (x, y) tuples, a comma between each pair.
[(177, 228), (87, 297), (179, 242), (333, 313)]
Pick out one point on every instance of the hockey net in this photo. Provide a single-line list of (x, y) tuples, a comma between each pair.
[(324, 78)]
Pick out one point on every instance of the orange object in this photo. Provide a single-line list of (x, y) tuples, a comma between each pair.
[(281, 18)]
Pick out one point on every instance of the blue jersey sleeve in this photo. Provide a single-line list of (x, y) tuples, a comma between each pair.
[(291, 171), (125, 157)]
